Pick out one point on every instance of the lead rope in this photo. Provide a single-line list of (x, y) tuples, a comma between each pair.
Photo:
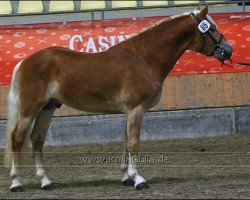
[(237, 63)]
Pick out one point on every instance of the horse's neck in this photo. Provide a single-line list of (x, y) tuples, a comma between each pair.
[(165, 43)]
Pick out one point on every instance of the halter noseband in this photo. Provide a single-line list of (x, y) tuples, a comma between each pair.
[(218, 47)]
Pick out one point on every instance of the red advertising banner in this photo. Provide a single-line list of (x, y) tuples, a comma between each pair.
[(19, 41)]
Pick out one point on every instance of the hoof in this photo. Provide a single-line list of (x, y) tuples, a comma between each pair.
[(16, 189), (142, 186), (48, 187), (128, 182)]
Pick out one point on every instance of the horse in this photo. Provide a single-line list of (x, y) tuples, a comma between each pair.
[(127, 78)]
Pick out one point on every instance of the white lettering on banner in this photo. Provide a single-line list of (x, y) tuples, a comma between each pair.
[(122, 38), (103, 43), (72, 41), (112, 40), (93, 46)]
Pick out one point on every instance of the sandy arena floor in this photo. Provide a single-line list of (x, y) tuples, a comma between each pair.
[(193, 168)]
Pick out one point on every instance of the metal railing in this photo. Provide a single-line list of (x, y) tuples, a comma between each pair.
[(76, 14), (170, 4)]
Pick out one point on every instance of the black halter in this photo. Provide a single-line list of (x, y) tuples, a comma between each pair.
[(218, 47)]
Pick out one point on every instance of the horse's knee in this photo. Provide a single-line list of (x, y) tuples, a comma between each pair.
[(133, 146)]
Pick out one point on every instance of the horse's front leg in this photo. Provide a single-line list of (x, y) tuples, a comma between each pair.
[(126, 181), (134, 120)]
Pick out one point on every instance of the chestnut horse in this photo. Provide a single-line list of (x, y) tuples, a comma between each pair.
[(127, 78)]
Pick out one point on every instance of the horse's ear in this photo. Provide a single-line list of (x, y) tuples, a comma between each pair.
[(198, 7), (203, 12)]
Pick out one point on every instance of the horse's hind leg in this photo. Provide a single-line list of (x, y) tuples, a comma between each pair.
[(38, 134), (18, 138), (134, 120)]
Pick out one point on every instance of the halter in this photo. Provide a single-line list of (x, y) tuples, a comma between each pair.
[(218, 48)]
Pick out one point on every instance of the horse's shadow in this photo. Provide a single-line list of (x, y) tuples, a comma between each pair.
[(94, 183), (81, 183), (153, 181), (172, 180), (114, 183)]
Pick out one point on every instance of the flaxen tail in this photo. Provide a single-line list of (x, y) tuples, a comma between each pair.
[(12, 120)]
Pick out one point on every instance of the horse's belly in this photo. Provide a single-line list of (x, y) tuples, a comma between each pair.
[(94, 108), (94, 105)]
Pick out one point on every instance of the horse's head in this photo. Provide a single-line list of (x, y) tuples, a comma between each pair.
[(208, 39)]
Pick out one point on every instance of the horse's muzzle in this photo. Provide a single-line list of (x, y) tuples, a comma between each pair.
[(223, 51)]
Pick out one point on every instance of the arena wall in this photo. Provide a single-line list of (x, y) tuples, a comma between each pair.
[(156, 126), (183, 92), (191, 106)]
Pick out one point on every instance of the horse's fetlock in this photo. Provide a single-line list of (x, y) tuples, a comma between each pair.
[(13, 174), (132, 171), (40, 173), (124, 167)]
